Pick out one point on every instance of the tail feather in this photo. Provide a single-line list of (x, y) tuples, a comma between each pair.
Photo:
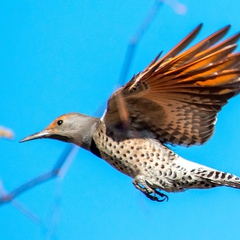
[(222, 179)]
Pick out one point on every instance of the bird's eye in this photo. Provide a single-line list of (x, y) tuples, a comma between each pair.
[(59, 122)]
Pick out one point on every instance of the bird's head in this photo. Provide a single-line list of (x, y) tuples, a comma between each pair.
[(72, 127)]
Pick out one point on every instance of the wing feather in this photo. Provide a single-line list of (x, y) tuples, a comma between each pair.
[(177, 97)]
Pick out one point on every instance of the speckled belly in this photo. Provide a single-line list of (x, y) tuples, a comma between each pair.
[(134, 156)]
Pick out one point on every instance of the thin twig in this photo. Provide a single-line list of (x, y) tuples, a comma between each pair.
[(26, 212), (135, 39), (54, 216), (122, 108), (60, 168)]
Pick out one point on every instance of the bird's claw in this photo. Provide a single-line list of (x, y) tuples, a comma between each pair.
[(152, 194), (156, 195)]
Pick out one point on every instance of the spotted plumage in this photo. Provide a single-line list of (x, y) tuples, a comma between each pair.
[(175, 100)]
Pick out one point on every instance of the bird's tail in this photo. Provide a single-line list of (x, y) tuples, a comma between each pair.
[(219, 178)]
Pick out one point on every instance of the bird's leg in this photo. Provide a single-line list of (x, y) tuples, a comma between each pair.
[(154, 194)]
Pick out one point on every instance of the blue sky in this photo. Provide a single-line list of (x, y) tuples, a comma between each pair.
[(65, 56)]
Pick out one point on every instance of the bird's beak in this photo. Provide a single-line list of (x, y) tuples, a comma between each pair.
[(43, 134)]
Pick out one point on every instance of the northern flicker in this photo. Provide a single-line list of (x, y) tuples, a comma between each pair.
[(174, 100)]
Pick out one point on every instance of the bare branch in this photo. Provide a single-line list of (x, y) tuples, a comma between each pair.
[(59, 169), (135, 39), (26, 212), (54, 216)]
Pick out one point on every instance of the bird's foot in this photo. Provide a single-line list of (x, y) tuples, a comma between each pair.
[(153, 194)]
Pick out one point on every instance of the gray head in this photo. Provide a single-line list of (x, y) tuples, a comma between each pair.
[(72, 127)]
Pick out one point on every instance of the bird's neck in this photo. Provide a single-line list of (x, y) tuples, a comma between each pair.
[(85, 135)]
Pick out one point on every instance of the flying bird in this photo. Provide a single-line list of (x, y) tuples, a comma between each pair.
[(173, 101)]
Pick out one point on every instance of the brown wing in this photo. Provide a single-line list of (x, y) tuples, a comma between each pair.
[(176, 98)]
